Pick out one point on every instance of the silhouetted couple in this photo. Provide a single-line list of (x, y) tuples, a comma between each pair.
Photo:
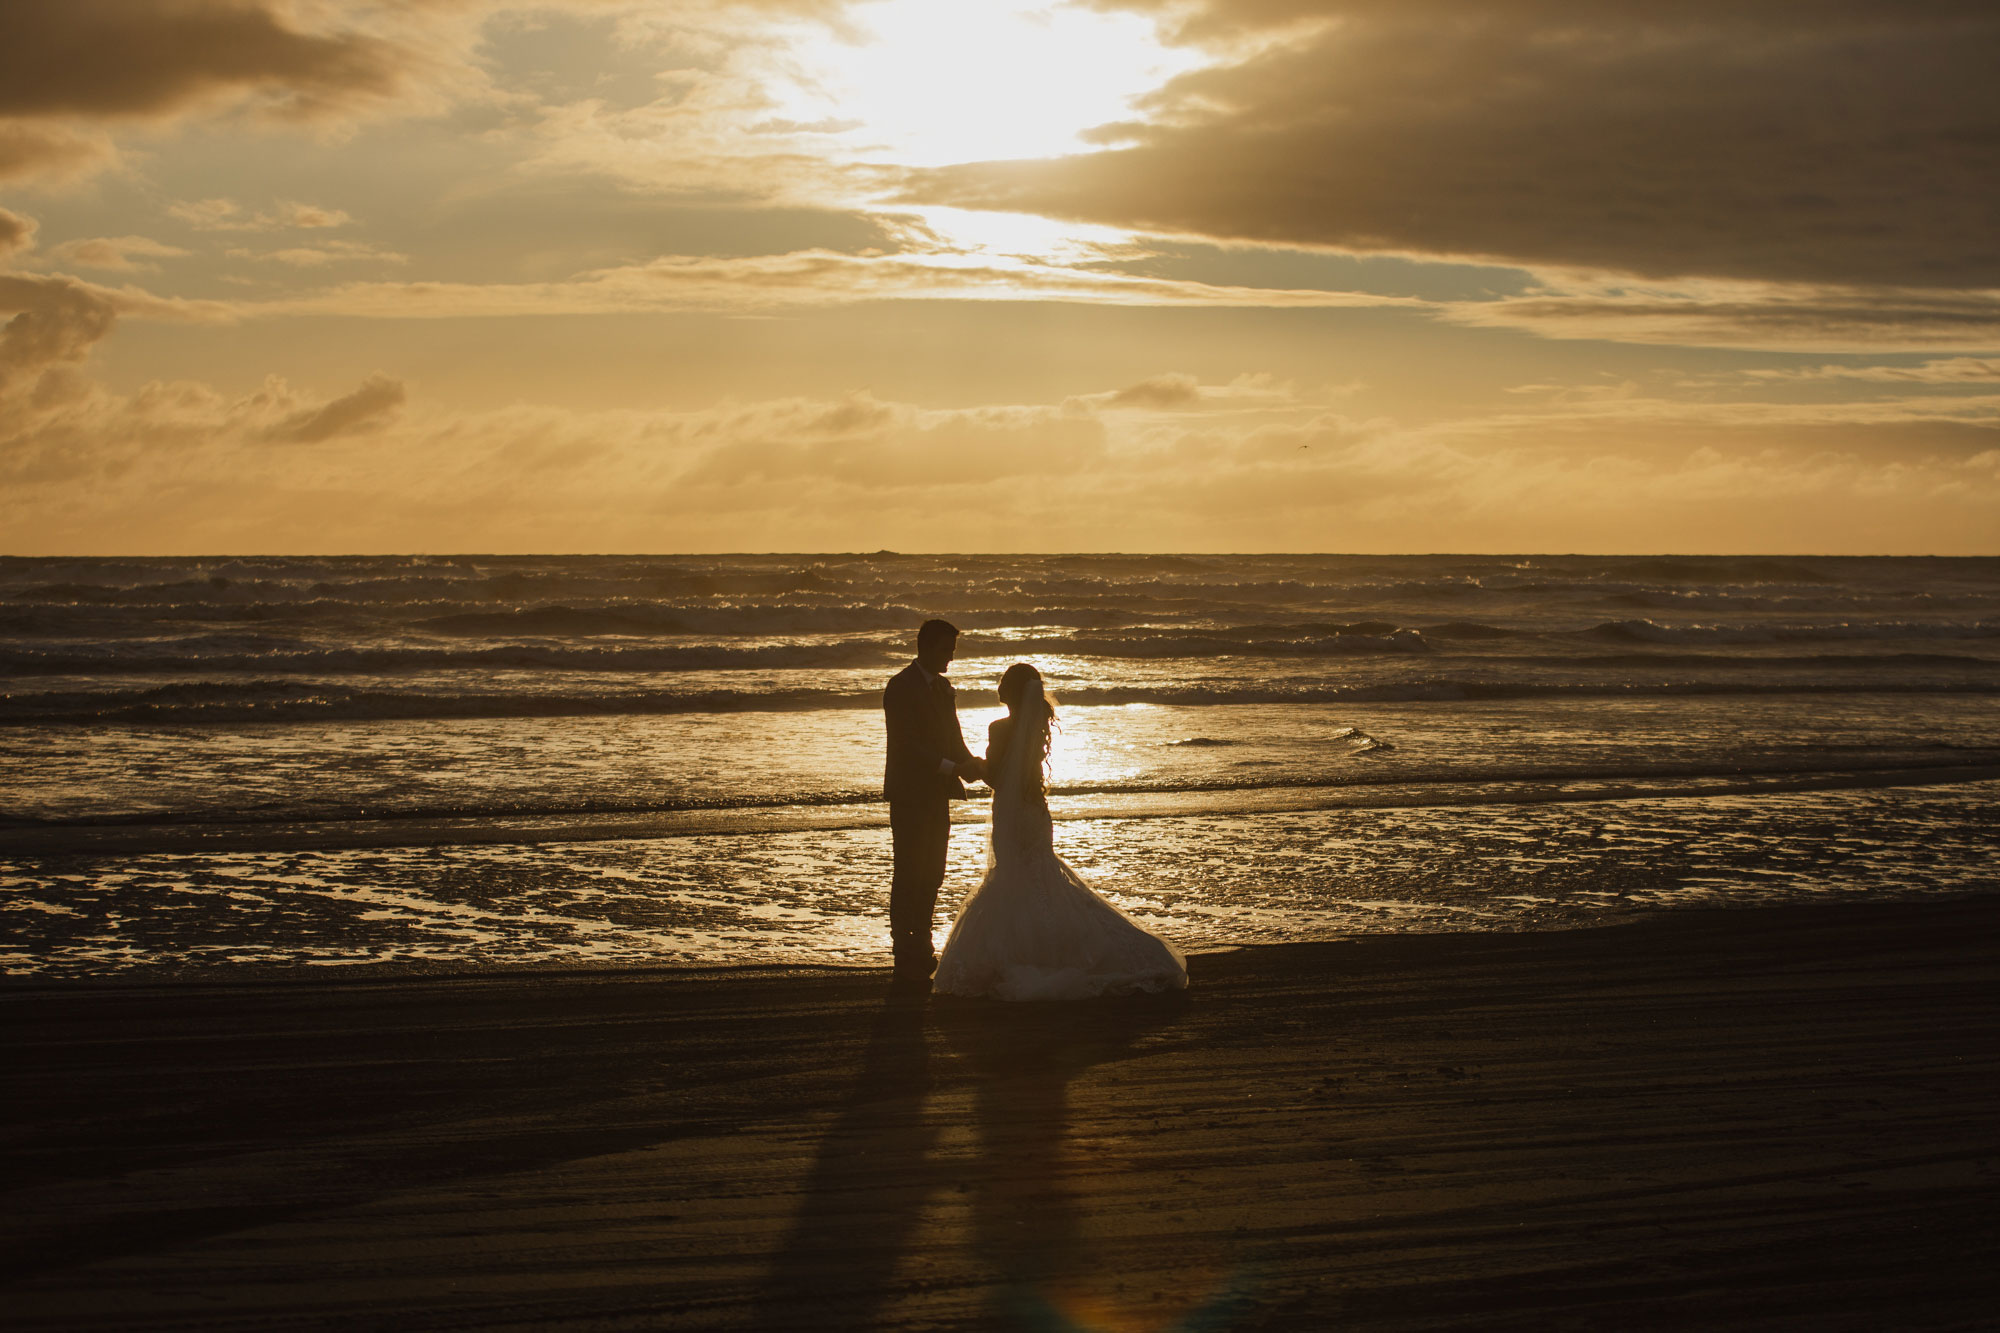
[(1032, 930)]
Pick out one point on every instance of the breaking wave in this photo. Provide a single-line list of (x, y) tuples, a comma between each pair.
[(229, 702)]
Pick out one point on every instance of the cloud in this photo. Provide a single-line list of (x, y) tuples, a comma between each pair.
[(310, 216), (110, 58), (1161, 391), (229, 215), (1789, 317), (71, 69), (55, 322), (904, 449), (17, 233), (211, 214), (368, 407), (1181, 392), (1887, 427), (50, 153), (1952, 370), (125, 254), (319, 256), (797, 278), (1843, 144)]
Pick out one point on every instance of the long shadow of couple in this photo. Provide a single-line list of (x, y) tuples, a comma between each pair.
[(892, 1161)]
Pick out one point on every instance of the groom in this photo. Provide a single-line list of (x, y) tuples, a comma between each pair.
[(927, 770)]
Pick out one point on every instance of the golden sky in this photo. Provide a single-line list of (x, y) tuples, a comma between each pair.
[(1190, 275)]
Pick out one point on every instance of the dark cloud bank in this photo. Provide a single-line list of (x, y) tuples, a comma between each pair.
[(119, 60), (123, 57), (1837, 143)]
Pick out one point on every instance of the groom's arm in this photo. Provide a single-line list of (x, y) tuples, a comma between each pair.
[(968, 766), (961, 754), (961, 762)]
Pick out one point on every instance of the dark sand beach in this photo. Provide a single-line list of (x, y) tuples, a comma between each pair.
[(1749, 1119)]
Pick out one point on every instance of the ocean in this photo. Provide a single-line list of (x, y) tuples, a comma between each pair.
[(246, 765)]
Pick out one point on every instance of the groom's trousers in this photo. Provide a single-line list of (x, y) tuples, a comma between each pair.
[(919, 829)]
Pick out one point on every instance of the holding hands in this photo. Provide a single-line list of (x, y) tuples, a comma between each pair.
[(972, 770)]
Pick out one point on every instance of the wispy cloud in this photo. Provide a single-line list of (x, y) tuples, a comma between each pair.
[(368, 407), (1951, 370), (765, 282), (124, 254), (1788, 317), (1178, 392), (223, 214), (322, 255)]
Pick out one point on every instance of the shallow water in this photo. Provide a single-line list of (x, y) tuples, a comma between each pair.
[(1205, 881), (300, 719), (491, 767)]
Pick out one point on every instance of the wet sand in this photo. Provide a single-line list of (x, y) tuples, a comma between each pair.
[(1751, 1119)]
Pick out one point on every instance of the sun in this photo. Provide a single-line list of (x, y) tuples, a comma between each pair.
[(927, 83)]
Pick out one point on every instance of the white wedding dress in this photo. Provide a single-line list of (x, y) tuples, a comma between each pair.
[(1033, 930)]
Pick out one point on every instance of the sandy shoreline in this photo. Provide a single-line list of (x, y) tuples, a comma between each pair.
[(1772, 1118)]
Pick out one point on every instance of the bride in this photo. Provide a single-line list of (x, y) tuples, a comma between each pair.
[(1033, 930)]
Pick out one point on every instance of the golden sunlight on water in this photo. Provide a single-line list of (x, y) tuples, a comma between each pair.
[(1089, 746)]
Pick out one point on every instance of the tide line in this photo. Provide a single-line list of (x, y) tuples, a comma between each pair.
[(138, 839)]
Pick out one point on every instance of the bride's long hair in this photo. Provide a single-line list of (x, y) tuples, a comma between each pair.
[(1034, 715)]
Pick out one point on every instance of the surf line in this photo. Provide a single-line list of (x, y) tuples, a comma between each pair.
[(133, 840)]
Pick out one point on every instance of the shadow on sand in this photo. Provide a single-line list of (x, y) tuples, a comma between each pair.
[(876, 1228)]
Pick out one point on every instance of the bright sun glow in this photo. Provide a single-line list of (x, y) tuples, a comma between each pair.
[(930, 82), (998, 239)]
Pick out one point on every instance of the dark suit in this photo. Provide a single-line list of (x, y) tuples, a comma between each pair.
[(923, 735)]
